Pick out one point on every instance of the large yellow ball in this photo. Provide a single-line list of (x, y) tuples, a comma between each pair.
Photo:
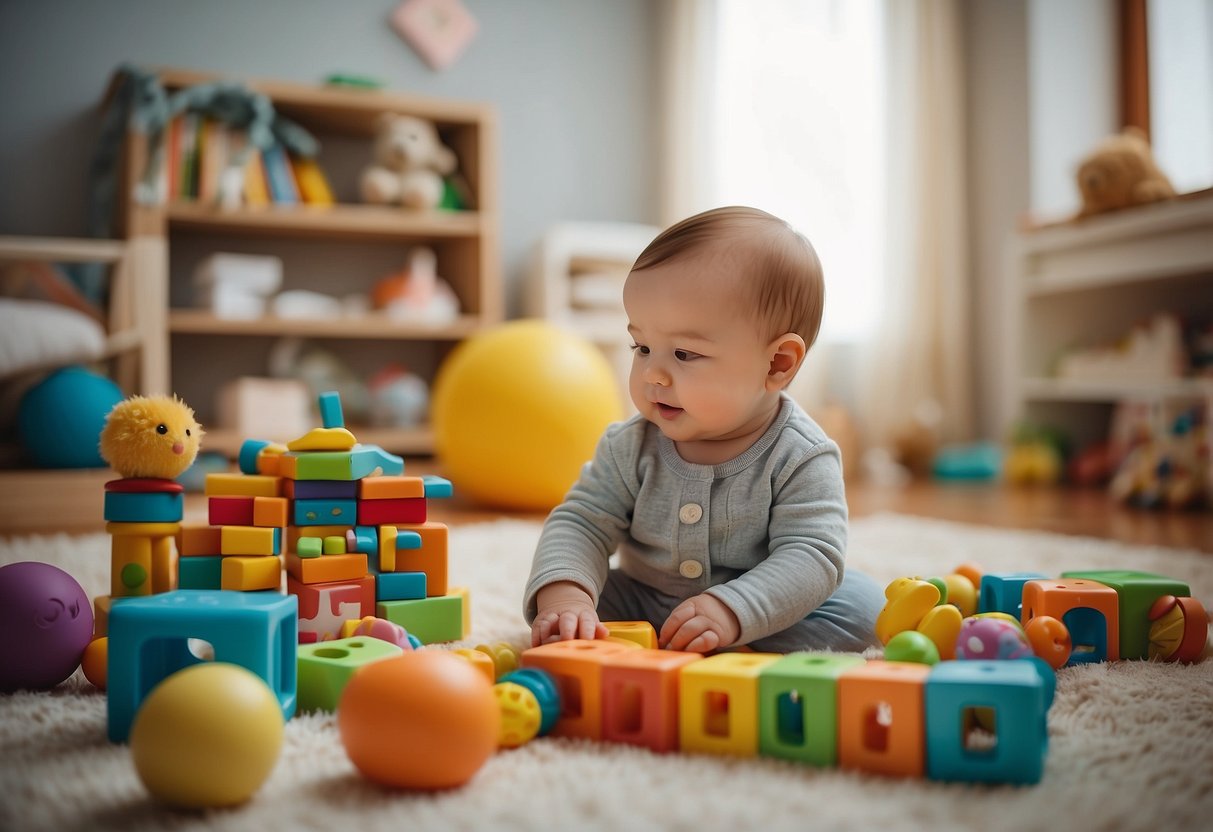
[(517, 411), (207, 736)]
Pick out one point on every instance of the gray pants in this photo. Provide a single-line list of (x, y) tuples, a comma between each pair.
[(846, 622)]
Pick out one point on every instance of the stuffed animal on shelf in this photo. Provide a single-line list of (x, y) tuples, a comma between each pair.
[(416, 293), (150, 436), (410, 163), (1121, 172)]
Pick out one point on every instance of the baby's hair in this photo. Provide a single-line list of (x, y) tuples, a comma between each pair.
[(788, 290)]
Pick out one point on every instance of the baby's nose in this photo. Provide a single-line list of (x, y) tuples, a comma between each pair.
[(178, 448)]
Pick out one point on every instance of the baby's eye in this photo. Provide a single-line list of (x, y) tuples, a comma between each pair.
[(643, 350), (162, 429), (686, 355)]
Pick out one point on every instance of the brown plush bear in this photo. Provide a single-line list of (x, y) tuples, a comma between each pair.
[(410, 161), (1121, 172)]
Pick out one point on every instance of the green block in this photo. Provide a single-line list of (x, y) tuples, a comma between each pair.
[(798, 707), (432, 620), (362, 461), (334, 545), (309, 547), (1138, 591), (200, 572), (325, 668)]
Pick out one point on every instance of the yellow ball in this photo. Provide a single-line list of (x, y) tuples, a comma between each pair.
[(207, 736), (517, 411), (95, 661), (520, 714)]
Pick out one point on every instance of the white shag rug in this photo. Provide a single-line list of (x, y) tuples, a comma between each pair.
[(1131, 744)]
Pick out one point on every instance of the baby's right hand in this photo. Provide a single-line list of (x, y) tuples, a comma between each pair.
[(566, 611)]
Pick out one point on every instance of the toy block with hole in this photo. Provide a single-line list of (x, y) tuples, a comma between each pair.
[(433, 619), (200, 572), (718, 703), (309, 547), (324, 512), (986, 721), (144, 506), (230, 511), (391, 488), (431, 558), (1090, 610), (320, 489), (195, 540), (576, 666), (324, 439), (379, 512), (251, 573), (249, 540), (361, 461), (243, 485), (101, 615), (295, 533), (399, 586), (641, 632), (1003, 591), (640, 697), (149, 641), (881, 727), (333, 545), (325, 668), (327, 568), (270, 511), (1137, 592), (798, 707), (323, 608)]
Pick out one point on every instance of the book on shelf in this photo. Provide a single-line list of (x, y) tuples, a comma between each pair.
[(313, 184), (284, 190), (212, 159)]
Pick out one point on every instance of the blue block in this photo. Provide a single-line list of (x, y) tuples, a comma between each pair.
[(149, 641), (326, 489), (1016, 694), (390, 464), (144, 506), (366, 540), (330, 410), (325, 512), (249, 450), (407, 540), (1003, 591), (437, 487), (399, 586), (200, 572)]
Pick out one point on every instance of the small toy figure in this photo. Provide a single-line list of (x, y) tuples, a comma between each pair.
[(151, 436), (410, 161), (1121, 172)]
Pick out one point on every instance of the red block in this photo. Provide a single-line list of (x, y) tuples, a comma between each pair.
[(230, 511), (323, 608), (144, 485), (391, 512)]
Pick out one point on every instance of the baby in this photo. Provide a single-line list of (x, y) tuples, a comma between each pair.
[(724, 500)]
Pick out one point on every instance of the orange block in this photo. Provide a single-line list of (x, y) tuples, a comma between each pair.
[(881, 718), (1056, 597), (269, 511), (577, 668), (194, 541), (390, 488), (326, 568), (431, 558), (640, 697)]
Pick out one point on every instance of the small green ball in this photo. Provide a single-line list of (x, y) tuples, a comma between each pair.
[(911, 646)]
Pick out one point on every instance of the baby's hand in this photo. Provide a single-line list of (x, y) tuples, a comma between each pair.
[(566, 611), (700, 625)]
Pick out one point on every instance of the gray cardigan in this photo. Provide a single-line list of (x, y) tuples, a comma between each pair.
[(765, 532)]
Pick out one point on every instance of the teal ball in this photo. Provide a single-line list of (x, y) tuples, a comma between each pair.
[(60, 419)]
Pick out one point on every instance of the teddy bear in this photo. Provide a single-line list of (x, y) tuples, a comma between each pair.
[(410, 161), (1121, 172)]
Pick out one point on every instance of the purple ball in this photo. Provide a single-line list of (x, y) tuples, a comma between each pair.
[(46, 621)]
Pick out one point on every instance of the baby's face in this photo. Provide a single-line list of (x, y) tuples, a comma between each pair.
[(699, 362)]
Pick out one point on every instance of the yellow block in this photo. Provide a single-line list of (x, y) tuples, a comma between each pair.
[(143, 529), (130, 565), (481, 661), (164, 565), (466, 594), (387, 548), (324, 439), (246, 574), (247, 540), (641, 632), (243, 485), (718, 703), (101, 615)]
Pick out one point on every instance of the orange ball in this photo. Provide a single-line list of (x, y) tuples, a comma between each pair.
[(422, 720), (95, 662), (1050, 639)]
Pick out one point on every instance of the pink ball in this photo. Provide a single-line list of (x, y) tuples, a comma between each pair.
[(991, 638), (46, 621)]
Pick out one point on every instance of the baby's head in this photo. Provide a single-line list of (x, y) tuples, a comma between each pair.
[(776, 275)]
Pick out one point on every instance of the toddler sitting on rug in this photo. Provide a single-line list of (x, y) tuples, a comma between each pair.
[(723, 498)]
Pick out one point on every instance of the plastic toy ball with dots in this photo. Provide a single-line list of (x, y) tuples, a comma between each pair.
[(520, 714), (991, 638)]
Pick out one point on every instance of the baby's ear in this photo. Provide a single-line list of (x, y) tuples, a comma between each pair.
[(787, 354)]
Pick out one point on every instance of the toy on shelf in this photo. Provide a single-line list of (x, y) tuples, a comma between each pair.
[(1167, 471), (416, 294), (1121, 172), (1152, 350), (237, 286), (399, 398), (58, 419), (410, 163)]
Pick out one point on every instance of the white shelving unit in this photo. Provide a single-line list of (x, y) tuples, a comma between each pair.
[(1085, 284)]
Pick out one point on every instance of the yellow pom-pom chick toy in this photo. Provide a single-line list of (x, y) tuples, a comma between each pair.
[(151, 436)]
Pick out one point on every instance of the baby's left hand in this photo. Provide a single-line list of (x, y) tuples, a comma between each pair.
[(699, 625)]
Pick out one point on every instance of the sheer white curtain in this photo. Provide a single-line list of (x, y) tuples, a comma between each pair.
[(844, 118)]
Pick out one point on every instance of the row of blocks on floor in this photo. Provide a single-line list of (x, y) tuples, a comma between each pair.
[(149, 639), (890, 718)]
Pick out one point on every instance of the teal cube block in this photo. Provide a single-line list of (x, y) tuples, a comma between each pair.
[(399, 586), (325, 668), (144, 506), (1137, 592), (798, 707), (1014, 693), (1003, 591), (433, 620), (200, 572), (324, 512)]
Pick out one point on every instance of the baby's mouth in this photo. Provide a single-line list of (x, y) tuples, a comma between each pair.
[(668, 411)]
